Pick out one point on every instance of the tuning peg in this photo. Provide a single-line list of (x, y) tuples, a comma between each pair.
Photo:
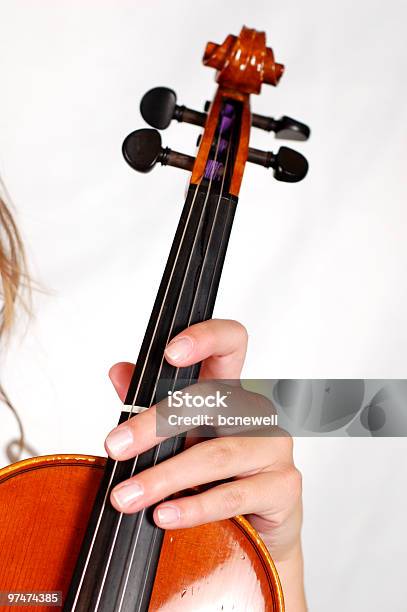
[(142, 150), (159, 107), (285, 127), (289, 165)]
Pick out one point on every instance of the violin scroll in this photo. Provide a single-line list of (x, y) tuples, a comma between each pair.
[(244, 62)]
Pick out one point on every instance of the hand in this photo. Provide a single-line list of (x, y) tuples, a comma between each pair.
[(266, 486)]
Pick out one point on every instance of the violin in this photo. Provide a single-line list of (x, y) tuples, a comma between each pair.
[(59, 534)]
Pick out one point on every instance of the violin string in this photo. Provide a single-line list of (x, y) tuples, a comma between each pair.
[(156, 454), (111, 551), (104, 502), (205, 258), (177, 371), (157, 450), (158, 447), (120, 518)]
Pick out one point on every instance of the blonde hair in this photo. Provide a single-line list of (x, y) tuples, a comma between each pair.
[(13, 268), (13, 279)]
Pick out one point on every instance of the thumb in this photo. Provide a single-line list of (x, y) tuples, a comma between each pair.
[(120, 374)]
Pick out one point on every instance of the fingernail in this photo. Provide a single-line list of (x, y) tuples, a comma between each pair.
[(127, 494), (168, 514), (119, 440), (179, 348)]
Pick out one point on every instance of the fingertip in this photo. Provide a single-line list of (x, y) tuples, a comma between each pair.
[(119, 441), (116, 504), (120, 368), (113, 501), (179, 349), (120, 375), (110, 453), (112, 371), (167, 515)]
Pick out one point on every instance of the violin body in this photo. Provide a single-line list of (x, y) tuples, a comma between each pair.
[(45, 506)]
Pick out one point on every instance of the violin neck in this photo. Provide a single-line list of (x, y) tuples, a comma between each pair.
[(110, 574), (187, 291)]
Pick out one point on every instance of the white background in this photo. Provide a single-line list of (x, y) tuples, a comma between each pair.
[(316, 271)]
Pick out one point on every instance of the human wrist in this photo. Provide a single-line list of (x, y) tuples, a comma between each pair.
[(291, 572)]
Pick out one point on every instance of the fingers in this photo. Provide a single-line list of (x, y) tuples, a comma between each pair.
[(133, 437), (120, 374), (209, 461), (220, 344), (138, 434), (274, 493)]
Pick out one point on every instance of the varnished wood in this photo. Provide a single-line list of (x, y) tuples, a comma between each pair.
[(243, 149), (243, 64), (45, 504), (207, 139), (209, 133)]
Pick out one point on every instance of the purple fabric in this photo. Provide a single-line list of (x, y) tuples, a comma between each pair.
[(214, 169), (223, 145), (225, 124)]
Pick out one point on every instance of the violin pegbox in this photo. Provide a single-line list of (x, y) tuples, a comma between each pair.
[(243, 63)]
